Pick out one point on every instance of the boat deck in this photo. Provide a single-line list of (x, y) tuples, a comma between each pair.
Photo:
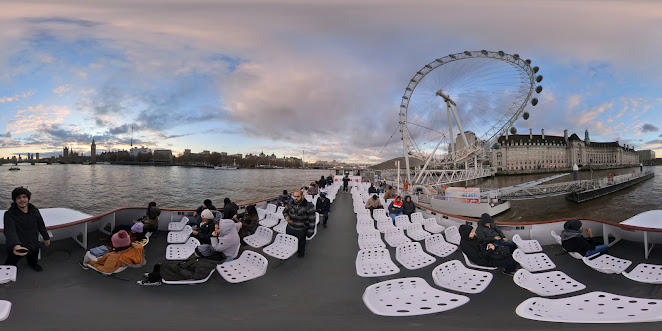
[(320, 291)]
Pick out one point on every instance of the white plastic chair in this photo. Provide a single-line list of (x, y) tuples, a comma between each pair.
[(432, 226), (7, 274), (528, 246), (271, 208), (475, 266), (261, 213), (363, 212), (5, 309), (270, 220), (380, 214), (375, 263), (417, 217), (395, 237), (178, 226), (370, 239), (452, 235), (415, 231), (593, 307), (385, 225), (180, 237), (402, 221), (409, 297), (547, 283), (364, 224), (453, 275), (188, 281), (261, 237), (279, 212), (281, 227), (435, 244), (283, 247), (412, 256), (533, 262), (606, 263), (249, 265), (645, 273), (182, 251)]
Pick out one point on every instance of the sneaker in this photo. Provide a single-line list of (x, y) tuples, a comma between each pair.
[(84, 266), (36, 267), (146, 283), (511, 273)]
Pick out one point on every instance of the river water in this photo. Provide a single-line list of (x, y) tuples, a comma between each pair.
[(94, 189)]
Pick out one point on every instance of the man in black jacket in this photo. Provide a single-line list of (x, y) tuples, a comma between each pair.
[(22, 225), (300, 217), (229, 209), (323, 206)]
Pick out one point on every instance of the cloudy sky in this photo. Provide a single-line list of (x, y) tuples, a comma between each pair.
[(322, 76)]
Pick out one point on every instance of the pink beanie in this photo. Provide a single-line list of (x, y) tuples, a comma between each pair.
[(121, 239)]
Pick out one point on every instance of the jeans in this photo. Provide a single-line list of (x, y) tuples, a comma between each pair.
[(393, 215), (598, 249), (301, 235), (324, 216), (510, 244)]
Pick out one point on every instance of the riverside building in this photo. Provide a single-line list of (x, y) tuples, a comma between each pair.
[(540, 153)]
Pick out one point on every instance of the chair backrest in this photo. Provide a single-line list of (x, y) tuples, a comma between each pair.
[(394, 232), (261, 213), (402, 221), (379, 213), (452, 235), (557, 237), (263, 231), (370, 234), (271, 208), (517, 239), (417, 217)]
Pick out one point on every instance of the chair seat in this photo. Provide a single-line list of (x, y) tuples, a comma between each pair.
[(453, 275), (435, 244), (547, 283), (180, 237), (281, 227), (533, 262), (415, 231), (395, 237), (5, 309), (412, 256), (269, 221), (283, 247), (178, 226), (371, 239), (409, 297), (527, 246), (432, 226), (249, 265), (375, 263), (7, 274), (607, 264), (385, 225), (645, 273), (261, 237), (593, 307), (452, 235), (181, 251)]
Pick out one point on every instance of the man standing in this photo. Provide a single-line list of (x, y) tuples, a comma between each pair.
[(345, 182), (22, 225), (300, 217)]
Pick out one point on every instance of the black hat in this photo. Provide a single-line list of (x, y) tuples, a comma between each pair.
[(207, 202), (573, 225)]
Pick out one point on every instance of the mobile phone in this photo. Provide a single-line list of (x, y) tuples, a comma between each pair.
[(22, 250)]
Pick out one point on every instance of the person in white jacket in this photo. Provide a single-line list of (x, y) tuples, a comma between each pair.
[(227, 238)]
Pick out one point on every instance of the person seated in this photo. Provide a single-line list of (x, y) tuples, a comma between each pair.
[(151, 221), (488, 232), (137, 233), (485, 254), (151, 217), (312, 190), (390, 193), (322, 182), (249, 222), (573, 241), (329, 180), (124, 252), (197, 266), (203, 232), (229, 209), (304, 190), (323, 207), (408, 207), (196, 219), (283, 199), (372, 189), (227, 240), (395, 208), (374, 203)]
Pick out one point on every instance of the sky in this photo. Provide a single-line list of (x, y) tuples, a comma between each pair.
[(319, 79)]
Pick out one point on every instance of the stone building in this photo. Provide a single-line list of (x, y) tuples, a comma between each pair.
[(540, 153)]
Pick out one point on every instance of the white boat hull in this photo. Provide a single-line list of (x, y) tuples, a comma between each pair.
[(468, 209)]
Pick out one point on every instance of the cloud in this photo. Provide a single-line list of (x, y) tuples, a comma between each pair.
[(33, 118), (16, 97), (5, 135), (649, 128), (62, 89)]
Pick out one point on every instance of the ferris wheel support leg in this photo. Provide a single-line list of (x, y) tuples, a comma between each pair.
[(459, 124)]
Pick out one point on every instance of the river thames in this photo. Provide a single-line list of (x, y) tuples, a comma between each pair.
[(95, 189)]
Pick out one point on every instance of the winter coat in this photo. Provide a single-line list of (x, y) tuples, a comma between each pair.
[(408, 208), (204, 232), (192, 268), (393, 209), (228, 237), (322, 182), (374, 203), (113, 260), (312, 190), (323, 205), (229, 210), (478, 253), (389, 194), (249, 224), (302, 215), (372, 189), (24, 228), (486, 234)]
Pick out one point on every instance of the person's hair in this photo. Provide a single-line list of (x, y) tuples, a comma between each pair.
[(153, 204), (284, 192), (251, 210), (207, 202), (226, 200), (20, 191), (390, 187)]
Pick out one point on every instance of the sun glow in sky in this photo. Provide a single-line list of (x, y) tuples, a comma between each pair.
[(324, 77)]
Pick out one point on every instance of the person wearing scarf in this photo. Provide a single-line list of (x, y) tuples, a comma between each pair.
[(573, 241), (395, 208)]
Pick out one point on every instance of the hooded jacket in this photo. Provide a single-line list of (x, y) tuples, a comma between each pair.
[(24, 228), (487, 234), (228, 238), (573, 241), (395, 207), (408, 208)]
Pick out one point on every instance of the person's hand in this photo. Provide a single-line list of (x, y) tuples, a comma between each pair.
[(195, 214), (240, 223), (505, 239), (47, 242), (288, 219), (194, 232), (16, 252), (589, 232), (215, 233), (497, 237), (235, 217), (490, 246)]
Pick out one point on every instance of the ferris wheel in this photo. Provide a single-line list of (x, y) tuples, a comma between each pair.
[(456, 107)]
